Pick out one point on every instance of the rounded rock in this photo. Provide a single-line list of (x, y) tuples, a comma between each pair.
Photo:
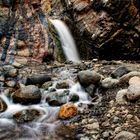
[(3, 105), (67, 110), (88, 77), (134, 80), (27, 95)]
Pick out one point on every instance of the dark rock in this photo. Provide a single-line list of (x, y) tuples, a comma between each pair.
[(119, 72), (37, 79), (3, 105), (57, 99), (88, 77), (73, 98), (90, 90), (27, 115), (27, 95)]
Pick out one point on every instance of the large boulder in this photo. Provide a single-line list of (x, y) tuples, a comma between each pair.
[(27, 95), (88, 77)]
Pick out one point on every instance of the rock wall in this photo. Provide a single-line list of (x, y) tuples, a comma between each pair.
[(107, 29)]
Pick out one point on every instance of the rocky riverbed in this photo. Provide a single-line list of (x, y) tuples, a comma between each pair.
[(92, 100)]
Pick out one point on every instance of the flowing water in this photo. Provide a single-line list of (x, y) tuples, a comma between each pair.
[(67, 41), (45, 127)]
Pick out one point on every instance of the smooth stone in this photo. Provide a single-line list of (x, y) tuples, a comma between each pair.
[(3, 105), (88, 77), (133, 92), (121, 97), (27, 95), (67, 111), (134, 80), (119, 72), (109, 82), (27, 115), (57, 99), (125, 135), (37, 79), (8, 67), (46, 85), (62, 85)]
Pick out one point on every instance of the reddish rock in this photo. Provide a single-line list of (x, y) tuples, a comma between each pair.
[(67, 110)]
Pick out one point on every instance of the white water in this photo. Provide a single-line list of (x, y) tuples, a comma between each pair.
[(67, 41)]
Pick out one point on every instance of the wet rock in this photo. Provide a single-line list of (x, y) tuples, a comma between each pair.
[(109, 82), (134, 80), (121, 97), (125, 135), (27, 115), (62, 85), (7, 67), (119, 72), (27, 95), (133, 92), (67, 111), (3, 105), (37, 79), (21, 44), (46, 85), (73, 98), (57, 99), (88, 77), (90, 90)]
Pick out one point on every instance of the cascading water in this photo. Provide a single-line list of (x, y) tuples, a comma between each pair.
[(67, 41), (44, 127)]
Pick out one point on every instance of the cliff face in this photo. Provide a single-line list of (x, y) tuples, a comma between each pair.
[(106, 28)]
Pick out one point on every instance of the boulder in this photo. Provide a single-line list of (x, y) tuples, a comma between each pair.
[(88, 77), (125, 135), (3, 105), (27, 95), (57, 98), (90, 90), (67, 111), (27, 115)]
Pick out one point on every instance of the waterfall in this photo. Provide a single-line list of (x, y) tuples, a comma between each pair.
[(67, 41)]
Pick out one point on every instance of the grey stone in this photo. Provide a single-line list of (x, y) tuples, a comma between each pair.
[(88, 77), (125, 135)]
